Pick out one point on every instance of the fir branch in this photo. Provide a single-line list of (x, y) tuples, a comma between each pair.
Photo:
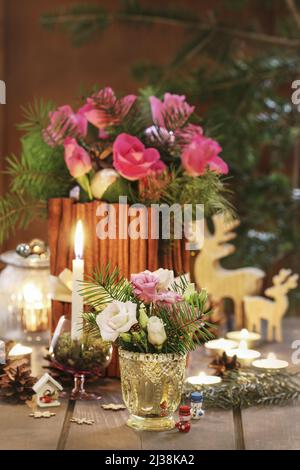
[(36, 115), (246, 388), (104, 286), (73, 21), (16, 212)]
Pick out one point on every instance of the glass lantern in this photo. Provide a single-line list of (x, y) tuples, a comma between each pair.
[(24, 298)]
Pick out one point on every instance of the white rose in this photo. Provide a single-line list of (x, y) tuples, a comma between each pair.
[(156, 331), (102, 180), (165, 278), (117, 317)]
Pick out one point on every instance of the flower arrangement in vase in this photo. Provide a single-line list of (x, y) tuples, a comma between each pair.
[(155, 320)]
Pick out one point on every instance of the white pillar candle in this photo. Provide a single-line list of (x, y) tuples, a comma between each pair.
[(244, 355), (78, 272), (203, 379), (271, 362)]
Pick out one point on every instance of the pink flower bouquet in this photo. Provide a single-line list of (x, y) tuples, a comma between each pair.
[(150, 145)]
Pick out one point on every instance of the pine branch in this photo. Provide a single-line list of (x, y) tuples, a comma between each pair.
[(36, 115), (16, 212), (104, 286), (245, 388), (90, 20)]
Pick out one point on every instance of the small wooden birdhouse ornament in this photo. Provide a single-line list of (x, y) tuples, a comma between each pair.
[(47, 390)]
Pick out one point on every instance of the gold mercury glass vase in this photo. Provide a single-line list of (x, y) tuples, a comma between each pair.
[(151, 386)]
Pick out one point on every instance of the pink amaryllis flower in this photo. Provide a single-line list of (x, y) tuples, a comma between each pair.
[(64, 122), (200, 154), (103, 109), (145, 286), (171, 113), (131, 159), (77, 159)]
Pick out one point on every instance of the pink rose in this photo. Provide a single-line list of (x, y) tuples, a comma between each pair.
[(77, 159), (168, 298), (202, 153), (172, 112), (64, 122), (103, 109), (131, 159), (144, 286)]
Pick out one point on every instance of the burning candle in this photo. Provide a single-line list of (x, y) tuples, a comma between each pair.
[(78, 271), (203, 379), (20, 352), (244, 355), (218, 346), (271, 362), (35, 311), (250, 337)]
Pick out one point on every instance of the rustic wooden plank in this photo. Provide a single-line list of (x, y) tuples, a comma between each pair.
[(19, 431), (214, 432), (109, 430), (278, 427), (272, 428)]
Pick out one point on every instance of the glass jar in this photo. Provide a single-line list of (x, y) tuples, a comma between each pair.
[(151, 386), (24, 298)]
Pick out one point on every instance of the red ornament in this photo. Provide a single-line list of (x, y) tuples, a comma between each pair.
[(183, 425)]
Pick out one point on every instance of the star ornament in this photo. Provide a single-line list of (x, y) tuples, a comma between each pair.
[(114, 406), (81, 421), (41, 414)]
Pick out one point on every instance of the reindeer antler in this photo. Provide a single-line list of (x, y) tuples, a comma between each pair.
[(285, 279), (224, 227)]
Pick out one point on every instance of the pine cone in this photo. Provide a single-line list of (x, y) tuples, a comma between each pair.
[(16, 382), (224, 363)]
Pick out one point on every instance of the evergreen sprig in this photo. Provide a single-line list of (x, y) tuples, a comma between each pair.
[(17, 211), (245, 388)]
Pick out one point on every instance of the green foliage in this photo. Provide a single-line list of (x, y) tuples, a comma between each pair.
[(105, 286), (37, 175), (245, 388), (16, 211)]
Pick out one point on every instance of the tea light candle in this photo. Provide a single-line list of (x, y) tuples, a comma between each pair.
[(271, 362), (2, 352), (20, 352), (250, 337), (78, 271), (203, 379), (245, 356), (218, 346)]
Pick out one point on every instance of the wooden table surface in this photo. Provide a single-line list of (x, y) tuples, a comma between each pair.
[(255, 428)]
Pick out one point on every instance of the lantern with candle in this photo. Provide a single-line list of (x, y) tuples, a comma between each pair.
[(73, 350), (24, 296)]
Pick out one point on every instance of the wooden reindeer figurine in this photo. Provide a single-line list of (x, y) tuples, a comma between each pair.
[(220, 282), (260, 308)]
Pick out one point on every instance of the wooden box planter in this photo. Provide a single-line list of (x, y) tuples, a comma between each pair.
[(129, 255)]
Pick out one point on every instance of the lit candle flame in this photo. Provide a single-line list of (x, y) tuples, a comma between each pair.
[(79, 240), (244, 333), (31, 293), (271, 356), (243, 346), (202, 374)]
